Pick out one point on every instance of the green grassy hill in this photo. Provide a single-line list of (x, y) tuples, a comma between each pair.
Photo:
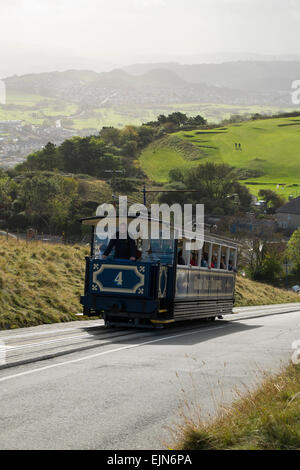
[(41, 283), (269, 146)]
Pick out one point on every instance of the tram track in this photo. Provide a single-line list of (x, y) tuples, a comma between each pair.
[(50, 341), (19, 351)]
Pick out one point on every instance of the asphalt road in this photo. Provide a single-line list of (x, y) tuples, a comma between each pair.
[(81, 386)]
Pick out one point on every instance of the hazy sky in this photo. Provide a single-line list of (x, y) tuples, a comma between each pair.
[(77, 33)]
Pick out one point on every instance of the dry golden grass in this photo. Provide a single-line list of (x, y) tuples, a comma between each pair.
[(267, 418), (42, 283), (254, 293), (39, 283)]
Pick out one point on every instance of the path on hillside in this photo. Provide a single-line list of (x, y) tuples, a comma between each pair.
[(87, 387)]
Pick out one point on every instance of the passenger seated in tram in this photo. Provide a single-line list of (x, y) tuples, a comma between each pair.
[(230, 267), (124, 248), (223, 263), (180, 259), (204, 262), (213, 263), (193, 260)]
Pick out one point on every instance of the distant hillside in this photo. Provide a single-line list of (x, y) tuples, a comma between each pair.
[(257, 76), (51, 84), (269, 157), (119, 87), (247, 83)]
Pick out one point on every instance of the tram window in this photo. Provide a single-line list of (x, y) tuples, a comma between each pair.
[(204, 257), (180, 259), (214, 260), (100, 245), (160, 249), (204, 260), (223, 264), (194, 259)]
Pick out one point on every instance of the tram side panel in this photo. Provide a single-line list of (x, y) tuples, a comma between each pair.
[(203, 293)]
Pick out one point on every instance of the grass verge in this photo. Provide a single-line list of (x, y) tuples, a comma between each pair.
[(248, 293), (267, 418), (39, 283)]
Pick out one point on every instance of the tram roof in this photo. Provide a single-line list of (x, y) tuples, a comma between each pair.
[(208, 237)]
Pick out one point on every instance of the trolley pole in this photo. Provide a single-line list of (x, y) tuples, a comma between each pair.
[(113, 181)]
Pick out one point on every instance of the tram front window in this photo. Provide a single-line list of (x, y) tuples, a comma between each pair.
[(159, 250), (105, 248), (146, 250), (100, 245)]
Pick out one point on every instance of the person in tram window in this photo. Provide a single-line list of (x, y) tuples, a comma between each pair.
[(213, 263), (223, 263), (230, 267), (125, 248), (204, 262), (193, 261), (180, 259)]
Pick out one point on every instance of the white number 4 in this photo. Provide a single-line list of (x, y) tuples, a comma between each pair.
[(119, 278)]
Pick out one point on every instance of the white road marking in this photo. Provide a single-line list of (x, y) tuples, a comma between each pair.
[(92, 356)]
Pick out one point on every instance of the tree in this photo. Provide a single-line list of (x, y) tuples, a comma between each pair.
[(273, 200), (70, 155), (176, 175), (216, 179), (265, 262), (48, 201), (162, 119), (217, 188), (197, 121), (130, 149), (111, 135), (177, 118)]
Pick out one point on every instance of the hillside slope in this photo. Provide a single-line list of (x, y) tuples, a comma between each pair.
[(269, 147), (42, 283), (39, 283)]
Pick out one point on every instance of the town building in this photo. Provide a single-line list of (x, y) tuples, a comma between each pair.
[(288, 216)]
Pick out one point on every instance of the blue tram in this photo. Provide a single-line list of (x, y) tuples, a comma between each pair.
[(165, 284)]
